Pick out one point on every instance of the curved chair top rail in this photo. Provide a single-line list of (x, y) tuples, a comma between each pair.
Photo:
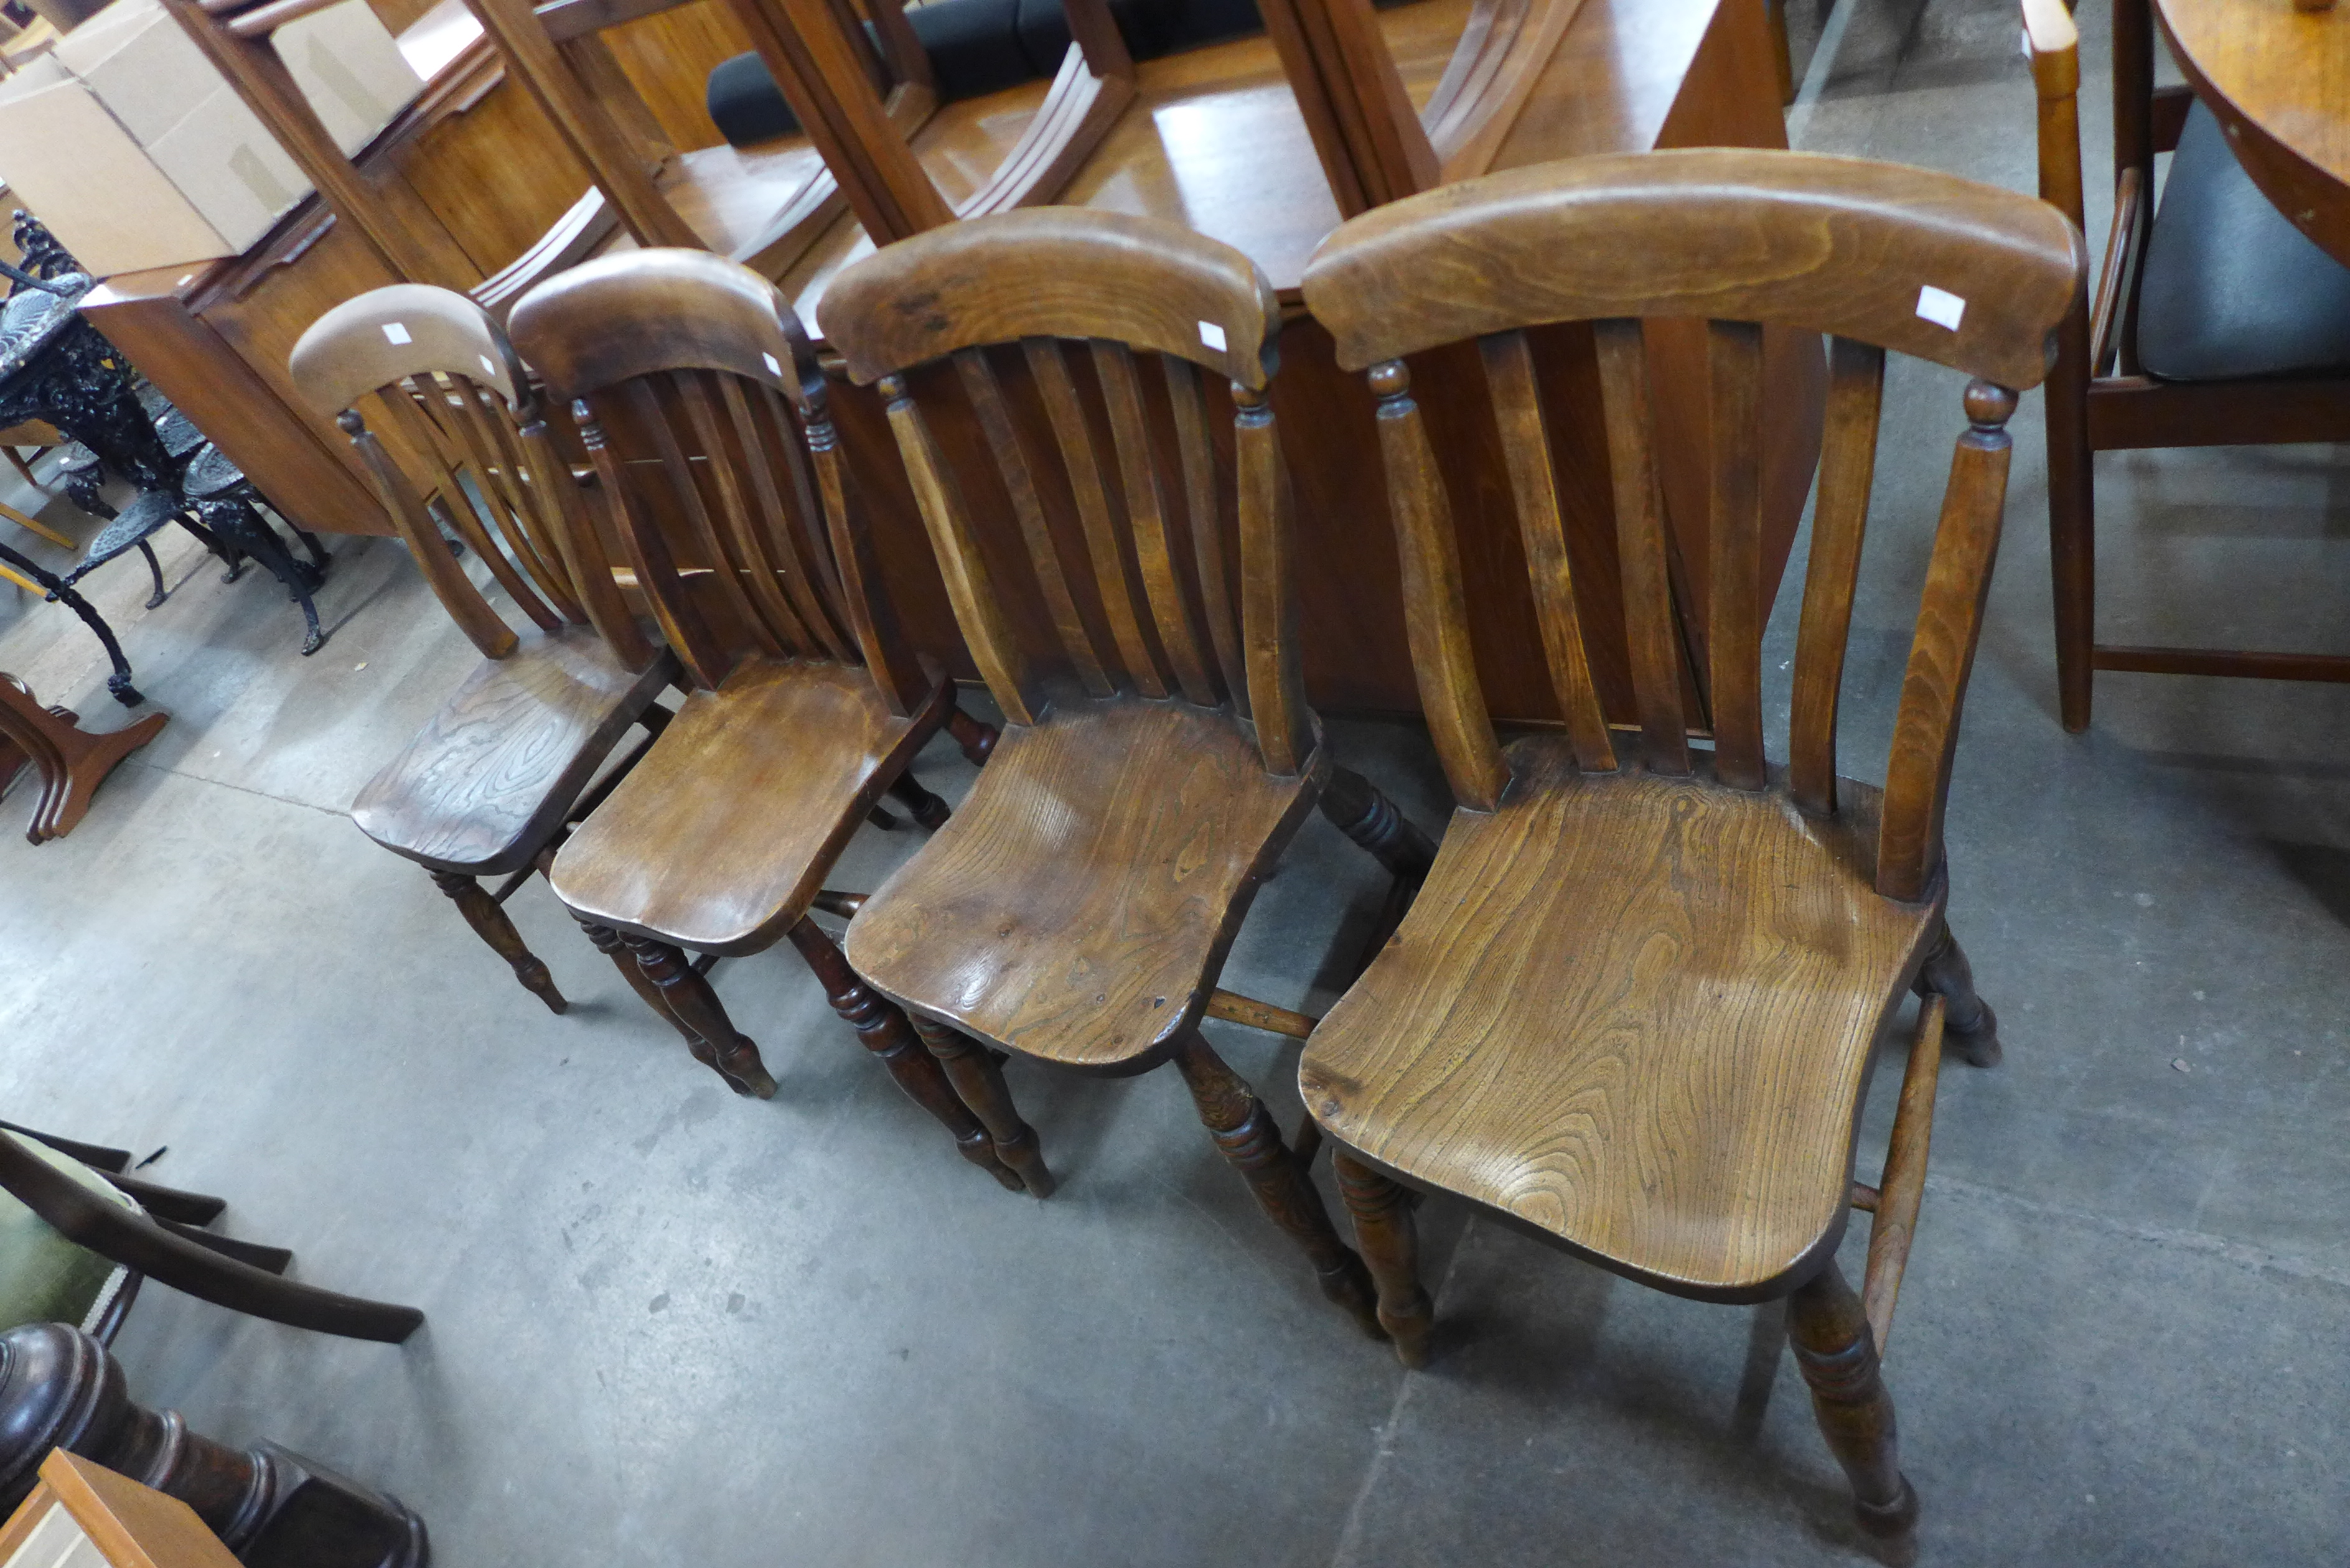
[(640, 312), (389, 334), (1924, 263), (1054, 272)]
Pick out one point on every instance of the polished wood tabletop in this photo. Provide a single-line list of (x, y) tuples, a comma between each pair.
[(2278, 77)]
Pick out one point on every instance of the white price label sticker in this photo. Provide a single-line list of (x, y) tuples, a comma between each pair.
[(773, 367), (491, 370), (1940, 307), (1212, 336), (394, 332)]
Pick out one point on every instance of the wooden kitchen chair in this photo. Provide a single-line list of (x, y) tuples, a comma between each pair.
[(1159, 757), (70, 761), (806, 703), (1635, 1003), (488, 788), (2215, 322)]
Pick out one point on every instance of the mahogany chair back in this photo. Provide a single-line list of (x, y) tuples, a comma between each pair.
[(863, 125), (1125, 512), (1878, 256), (443, 379), (693, 353), (237, 36)]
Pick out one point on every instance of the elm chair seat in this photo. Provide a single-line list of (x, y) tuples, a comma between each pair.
[(45, 1278), (485, 783), (1657, 1070), (2232, 290)]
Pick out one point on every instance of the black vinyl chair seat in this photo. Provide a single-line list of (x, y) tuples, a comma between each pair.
[(2231, 289)]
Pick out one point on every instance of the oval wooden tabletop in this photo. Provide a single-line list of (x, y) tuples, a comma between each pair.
[(2279, 81)]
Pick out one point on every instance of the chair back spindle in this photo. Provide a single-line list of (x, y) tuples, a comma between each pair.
[(1127, 522), (474, 456), (1877, 256), (739, 517)]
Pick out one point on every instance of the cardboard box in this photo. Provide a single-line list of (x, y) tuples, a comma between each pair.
[(137, 153)]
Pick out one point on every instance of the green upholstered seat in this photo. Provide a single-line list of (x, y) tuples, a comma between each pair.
[(44, 1277)]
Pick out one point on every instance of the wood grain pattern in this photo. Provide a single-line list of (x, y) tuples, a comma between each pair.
[(1640, 1105), (1734, 535), (1847, 469), (1078, 906), (492, 774), (1641, 546), (1506, 251), (720, 838)]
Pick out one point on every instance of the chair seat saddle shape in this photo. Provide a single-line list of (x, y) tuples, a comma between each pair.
[(1079, 904), (751, 794), (488, 779), (2232, 289), (1634, 1006), (1634, 1011), (461, 450), (805, 703)]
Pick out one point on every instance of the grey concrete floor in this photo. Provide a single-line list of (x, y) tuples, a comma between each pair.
[(668, 1325)]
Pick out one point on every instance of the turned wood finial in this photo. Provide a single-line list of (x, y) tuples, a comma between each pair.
[(1988, 404), (1390, 379), (350, 423), (892, 388), (591, 434)]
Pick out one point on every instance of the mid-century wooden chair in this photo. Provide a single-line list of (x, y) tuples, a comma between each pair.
[(488, 787), (1635, 1005), (806, 703), (70, 761), (1160, 755), (2215, 322), (77, 1235)]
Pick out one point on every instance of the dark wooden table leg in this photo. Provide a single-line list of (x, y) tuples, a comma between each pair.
[(885, 1031), (1389, 1239), (1246, 1133), (1838, 1356), (978, 1080)]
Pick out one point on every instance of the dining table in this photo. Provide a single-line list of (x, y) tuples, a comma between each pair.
[(2277, 78)]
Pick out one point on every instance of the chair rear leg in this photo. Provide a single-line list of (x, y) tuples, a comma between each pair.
[(1968, 1020), (977, 1075), (696, 1009), (1360, 811), (1385, 1230), (1246, 1133), (977, 740), (882, 1029), (928, 809), (2073, 520), (1839, 1357), (490, 924)]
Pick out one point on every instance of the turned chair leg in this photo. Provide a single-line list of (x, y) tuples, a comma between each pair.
[(694, 1007), (490, 923), (1384, 1229), (1968, 1020), (883, 1030), (977, 740), (1839, 1357), (1359, 810), (928, 809), (610, 943), (978, 1080), (1245, 1131)]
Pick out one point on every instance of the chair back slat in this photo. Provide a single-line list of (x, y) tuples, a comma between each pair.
[(1196, 455), (1168, 589), (1276, 680), (444, 381), (797, 600), (1839, 519), (978, 606), (417, 410), (503, 503), (858, 588), (687, 484), (1942, 652), (1155, 543), (735, 451), (1436, 608), (642, 495), (804, 532), (980, 385), (1534, 483), (1104, 541), (1651, 630), (1735, 553)]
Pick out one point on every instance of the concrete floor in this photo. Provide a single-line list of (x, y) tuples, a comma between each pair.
[(668, 1325)]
